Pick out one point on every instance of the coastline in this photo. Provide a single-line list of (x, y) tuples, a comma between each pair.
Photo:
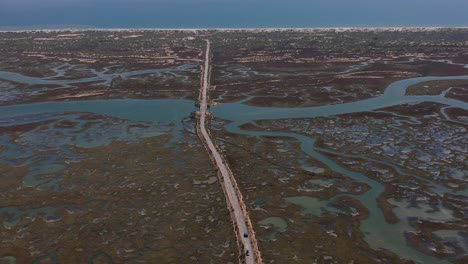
[(260, 29)]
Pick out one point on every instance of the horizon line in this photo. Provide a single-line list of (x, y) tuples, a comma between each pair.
[(232, 29)]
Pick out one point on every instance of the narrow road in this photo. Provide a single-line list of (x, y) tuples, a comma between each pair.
[(240, 216)]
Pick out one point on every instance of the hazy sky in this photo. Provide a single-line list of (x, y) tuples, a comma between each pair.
[(234, 13)]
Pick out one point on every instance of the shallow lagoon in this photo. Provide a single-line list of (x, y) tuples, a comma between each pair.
[(65, 126)]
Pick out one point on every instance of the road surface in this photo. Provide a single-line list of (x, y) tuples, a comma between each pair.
[(230, 189)]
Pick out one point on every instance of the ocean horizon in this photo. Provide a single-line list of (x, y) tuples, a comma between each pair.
[(226, 14), (80, 29)]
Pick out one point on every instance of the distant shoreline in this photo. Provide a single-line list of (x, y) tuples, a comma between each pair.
[(311, 29)]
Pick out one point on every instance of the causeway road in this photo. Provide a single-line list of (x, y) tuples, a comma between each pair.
[(230, 191)]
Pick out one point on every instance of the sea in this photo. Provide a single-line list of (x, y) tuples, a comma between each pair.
[(181, 14)]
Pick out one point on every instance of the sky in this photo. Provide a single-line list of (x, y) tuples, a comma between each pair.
[(231, 13)]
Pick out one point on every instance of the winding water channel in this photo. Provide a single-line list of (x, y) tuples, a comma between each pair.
[(100, 76), (378, 233)]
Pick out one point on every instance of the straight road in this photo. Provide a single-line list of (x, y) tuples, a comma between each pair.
[(232, 197)]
